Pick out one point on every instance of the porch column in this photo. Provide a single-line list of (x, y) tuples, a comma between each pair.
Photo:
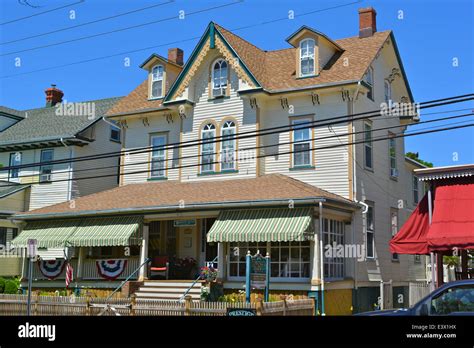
[(314, 253), (220, 261), (80, 262), (144, 253)]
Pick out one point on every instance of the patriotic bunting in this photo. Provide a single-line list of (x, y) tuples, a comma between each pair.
[(111, 269), (51, 269)]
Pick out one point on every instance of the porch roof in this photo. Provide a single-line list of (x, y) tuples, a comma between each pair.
[(196, 195), (263, 225), (93, 232)]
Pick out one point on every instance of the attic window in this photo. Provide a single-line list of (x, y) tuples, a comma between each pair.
[(369, 78), (219, 78), (157, 81), (307, 57)]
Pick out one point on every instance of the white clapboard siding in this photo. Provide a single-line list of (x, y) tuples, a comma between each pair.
[(82, 169), (331, 170), (219, 111), (138, 135)]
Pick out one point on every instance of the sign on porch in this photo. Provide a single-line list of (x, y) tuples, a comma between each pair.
[(257, 274), (184, 223)]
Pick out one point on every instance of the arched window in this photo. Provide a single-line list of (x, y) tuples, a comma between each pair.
[(228, 146), (208, 148), (307, 57), (157, 81), (219, 78)]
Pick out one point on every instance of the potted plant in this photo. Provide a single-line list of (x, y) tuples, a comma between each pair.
[(208, 274)]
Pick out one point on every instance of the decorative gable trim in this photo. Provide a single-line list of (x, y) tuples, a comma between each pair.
[(212, 39)]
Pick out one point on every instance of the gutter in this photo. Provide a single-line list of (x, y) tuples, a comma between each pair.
[(135, 112), (189, 207)]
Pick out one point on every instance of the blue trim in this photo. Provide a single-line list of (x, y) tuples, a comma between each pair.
[(305, 167), (212, 36)]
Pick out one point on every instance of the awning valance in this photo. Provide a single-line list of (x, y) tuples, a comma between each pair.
[(452, 225), (92, 232), (114, 231), (49, 234), (263, 225)]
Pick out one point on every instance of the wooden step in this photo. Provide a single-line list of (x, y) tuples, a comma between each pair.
[(170, 284)]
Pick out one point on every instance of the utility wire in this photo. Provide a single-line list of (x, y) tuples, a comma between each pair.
[(87, 23), (170, 160), (244, 135), (121, 29), (376, 139), (167, 44), (41, 13)]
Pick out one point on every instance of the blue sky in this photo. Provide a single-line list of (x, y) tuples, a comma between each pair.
[(431, 34)]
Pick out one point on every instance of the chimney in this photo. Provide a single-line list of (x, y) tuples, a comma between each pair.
[(176, 55), (53, 96), (367, 22)]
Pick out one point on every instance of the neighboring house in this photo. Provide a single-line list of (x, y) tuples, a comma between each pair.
[(224, 198), (59, 131)]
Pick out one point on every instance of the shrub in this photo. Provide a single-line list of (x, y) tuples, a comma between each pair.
[(11, 287), (2, 285)]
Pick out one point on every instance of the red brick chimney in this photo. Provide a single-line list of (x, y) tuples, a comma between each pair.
[(367, 22), (53, 96), (176, 55)]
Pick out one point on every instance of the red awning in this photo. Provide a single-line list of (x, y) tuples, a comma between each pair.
[(453, 216), (411, 239)]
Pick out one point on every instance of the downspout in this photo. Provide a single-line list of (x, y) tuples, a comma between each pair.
[(321, 256), (432, 254), (69, 184)]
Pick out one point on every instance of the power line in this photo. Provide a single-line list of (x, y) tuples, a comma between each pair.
[(247, 134), (268, 146), (273, 154), (87, 23), (121, 29), (167, 44), (41, 13)]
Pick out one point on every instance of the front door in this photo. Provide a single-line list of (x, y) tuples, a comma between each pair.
[(187, 242)]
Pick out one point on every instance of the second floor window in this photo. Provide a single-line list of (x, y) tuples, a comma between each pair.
[(208, 147), (368, 153), (392, 153), (369, 78), (370, 233), (115, 133), (387, 91), (228, 146), (46, 170), (415, 190), (219, 78), (301, 143), (15, 160), (307, 57), (157, 81), (158, 156), (394, 227)]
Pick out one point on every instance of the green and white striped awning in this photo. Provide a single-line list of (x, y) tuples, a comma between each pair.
[(114, 231), (263, 225), (92, 232), (50, 234)]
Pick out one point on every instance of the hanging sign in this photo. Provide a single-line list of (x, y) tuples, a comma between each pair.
[(241, 312), (258, 273), (184, 223)]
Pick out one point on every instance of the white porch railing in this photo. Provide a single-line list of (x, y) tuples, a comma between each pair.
[(89, 270)]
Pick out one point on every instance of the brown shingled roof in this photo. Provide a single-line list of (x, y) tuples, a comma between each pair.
[(159, 194), (275, 70)]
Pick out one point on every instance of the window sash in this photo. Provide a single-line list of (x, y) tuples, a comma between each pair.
[(370, 232), (415, 190), (289, 260), (228, 148), (392, 154), (219, 75), (15, 160), (208, 150), (158, 156), (307, 57), (46, 170), (333, 232), (368, 153), (301, 144)]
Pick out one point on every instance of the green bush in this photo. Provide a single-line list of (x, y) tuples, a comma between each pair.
[(2, 285), (11, 287)]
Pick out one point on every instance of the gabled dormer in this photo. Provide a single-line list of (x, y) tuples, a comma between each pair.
[(162, 72), (313, 51)]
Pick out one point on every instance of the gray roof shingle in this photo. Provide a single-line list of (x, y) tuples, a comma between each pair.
[(44, 124)]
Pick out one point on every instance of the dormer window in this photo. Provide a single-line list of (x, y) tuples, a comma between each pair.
[(219, 78), (157, 81), (307, 57)]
